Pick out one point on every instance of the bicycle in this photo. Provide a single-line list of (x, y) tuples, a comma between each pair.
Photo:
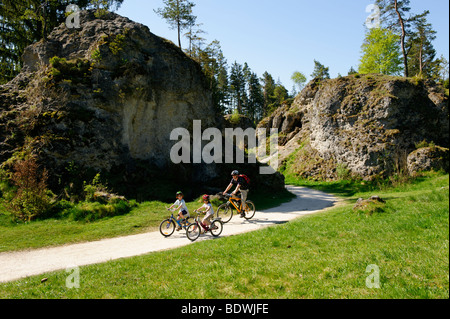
[(225, 211), (193, 231), (167, 226)]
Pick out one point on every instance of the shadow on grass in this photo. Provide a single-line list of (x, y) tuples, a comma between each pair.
[(349, 188), (338, 188)]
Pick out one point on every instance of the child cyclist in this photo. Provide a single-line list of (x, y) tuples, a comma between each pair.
[(207, 209), (180, 205)]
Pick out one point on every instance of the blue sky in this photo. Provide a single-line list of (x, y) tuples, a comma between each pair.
[(286, 35)]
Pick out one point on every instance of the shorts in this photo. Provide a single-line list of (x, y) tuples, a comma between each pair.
[(208, 217), (244, 194), (185, 213)]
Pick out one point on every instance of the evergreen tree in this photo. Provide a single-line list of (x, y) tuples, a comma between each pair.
[(415, 33), (320, 71), (280, 94), (178, 14), (214, 66), (421, 51), (352, 71), (442, 71), (223, 87), (268, 86), (255, 104), (237, 86), (195, 39), (395, 17)]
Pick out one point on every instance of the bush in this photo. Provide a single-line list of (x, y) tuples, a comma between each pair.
[(92, 188), (32, 198), (92, 211)]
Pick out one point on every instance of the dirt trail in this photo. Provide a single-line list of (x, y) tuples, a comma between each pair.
[(16, 265)]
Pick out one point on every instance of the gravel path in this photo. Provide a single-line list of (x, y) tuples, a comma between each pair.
[(17, 265)]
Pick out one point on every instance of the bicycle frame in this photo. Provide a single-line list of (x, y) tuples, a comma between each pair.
[(199, 222), (186, 222), (235, 201), (215, 228)]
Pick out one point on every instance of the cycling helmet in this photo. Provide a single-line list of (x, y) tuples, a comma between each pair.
[(235, 173), (180, 193), (206, 197)]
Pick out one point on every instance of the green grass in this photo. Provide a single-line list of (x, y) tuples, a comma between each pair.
[(145, 217), (318, 256)]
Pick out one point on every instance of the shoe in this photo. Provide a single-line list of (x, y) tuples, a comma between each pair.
[(242, 215), (178, 228)]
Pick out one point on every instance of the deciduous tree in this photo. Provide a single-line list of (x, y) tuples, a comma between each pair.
[(380, 53)]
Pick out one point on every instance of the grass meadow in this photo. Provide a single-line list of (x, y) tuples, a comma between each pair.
[(321, 256)]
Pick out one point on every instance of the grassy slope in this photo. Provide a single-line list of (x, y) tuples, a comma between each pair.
[(318, 256)]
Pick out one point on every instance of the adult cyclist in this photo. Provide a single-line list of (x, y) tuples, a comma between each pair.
[(242, 186)]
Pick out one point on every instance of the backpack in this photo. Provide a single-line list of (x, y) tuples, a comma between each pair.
[(245, 177)]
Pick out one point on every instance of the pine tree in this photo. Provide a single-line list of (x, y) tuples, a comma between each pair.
[(237, 86), (395, 17), (178, 14), (352, 71), (421, 51), (255, 105), (268, 85), (195, 38), (280, 94), (320, 71), (442, 71), (214, 66)]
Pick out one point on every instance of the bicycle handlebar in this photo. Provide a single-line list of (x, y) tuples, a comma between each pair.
[(230, 195)]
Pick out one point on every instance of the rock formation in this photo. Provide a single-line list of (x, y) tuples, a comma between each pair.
[(365, 125), (106, 97)]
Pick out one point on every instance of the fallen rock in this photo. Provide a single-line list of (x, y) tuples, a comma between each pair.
[(428, 158), (370, 205)]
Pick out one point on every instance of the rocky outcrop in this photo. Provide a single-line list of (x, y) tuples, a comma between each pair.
[(365, 125), (143, 86), (428, 158), (106, 97)]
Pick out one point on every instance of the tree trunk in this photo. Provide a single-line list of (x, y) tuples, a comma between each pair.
[(179, 35), (179, 23), (403, 36), (421, 59)]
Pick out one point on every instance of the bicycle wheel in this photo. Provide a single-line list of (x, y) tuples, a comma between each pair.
[(225, 213), (250, 210), (167, 227), (216, 228), (193, 232)]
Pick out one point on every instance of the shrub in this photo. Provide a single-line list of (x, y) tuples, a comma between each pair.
[(92, 211), (92, 188), (32, 197)]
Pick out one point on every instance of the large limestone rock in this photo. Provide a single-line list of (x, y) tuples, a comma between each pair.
[(364, 125), (142, 85), (105, 98)]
